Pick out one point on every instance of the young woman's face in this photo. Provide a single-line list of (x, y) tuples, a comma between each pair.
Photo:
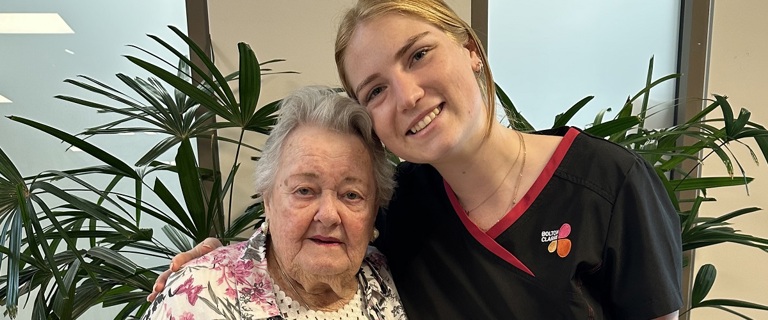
[(322, 206), (419, 86)]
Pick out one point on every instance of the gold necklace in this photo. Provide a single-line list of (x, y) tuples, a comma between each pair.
[(517, 181), (519, 147), (522, 166)]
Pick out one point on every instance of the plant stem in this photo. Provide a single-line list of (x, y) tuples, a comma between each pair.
[(232, 189)]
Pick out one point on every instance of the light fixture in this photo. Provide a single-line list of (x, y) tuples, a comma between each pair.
[(33, 23), (4, 99)]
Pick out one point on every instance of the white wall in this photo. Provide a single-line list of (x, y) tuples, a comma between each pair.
[(739, 69), (302, 32)]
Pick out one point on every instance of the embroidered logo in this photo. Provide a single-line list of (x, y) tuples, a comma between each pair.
[(558, 240)]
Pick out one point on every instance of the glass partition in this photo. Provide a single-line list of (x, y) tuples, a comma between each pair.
[(37, 52), (547, 55)]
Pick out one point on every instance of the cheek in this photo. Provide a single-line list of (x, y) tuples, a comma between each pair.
[(360, 231), (288, 224), (382, 124)]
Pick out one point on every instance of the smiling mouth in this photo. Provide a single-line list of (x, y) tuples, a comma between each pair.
[(424, 122)]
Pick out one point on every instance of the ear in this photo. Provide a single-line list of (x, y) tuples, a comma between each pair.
[(474, 55), (267, 205)]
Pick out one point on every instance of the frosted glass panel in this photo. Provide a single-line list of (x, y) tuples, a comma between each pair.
[(547, 55)]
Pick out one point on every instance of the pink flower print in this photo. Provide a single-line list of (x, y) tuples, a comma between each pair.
[(231, 293), (191, 291), (259, 291), (240, 271), (187, 316), (219, 256), (240, 246), (201, 260)]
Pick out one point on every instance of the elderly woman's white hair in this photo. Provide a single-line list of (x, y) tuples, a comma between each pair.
[(323, 107)]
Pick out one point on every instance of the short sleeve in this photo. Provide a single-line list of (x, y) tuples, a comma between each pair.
[(218, 285), (186, 296), (643, 253)]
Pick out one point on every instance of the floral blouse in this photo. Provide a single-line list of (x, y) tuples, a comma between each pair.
[(232, 283)]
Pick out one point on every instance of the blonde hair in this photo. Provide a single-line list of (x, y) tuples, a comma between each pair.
[(434, 12)]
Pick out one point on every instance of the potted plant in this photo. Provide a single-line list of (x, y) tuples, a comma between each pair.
[(73, 245), (714, 135)]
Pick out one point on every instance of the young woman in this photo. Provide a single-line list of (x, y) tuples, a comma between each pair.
[(488, 222)]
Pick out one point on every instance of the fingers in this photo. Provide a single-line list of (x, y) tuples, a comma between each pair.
[(208, 245), (159, 285)]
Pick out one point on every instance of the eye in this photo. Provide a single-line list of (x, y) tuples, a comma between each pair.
[(373, 94), (352, 196), (303, 191), (418, 55)]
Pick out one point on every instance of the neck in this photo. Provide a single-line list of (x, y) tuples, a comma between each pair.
[(485, 175), (320, 293)]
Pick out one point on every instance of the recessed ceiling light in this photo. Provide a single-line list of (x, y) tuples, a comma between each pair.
[(4, 99), (33, 23)]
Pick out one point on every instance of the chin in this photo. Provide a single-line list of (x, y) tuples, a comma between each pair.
[(430, 154), (328, 267)]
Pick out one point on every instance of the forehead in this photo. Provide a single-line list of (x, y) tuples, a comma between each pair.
[(375, 42), (323, 151), (388, 30)]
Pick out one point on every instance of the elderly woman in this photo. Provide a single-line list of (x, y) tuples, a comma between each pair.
[(323, 176)]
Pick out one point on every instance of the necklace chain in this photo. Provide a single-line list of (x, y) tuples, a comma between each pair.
[(520, 147), (522, 166)]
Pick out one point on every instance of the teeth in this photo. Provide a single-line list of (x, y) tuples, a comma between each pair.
[(426, 121)]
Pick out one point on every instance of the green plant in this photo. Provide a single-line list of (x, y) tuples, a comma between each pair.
[(74, 245), (665, 149), (77, 252)]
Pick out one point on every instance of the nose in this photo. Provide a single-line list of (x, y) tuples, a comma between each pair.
[(407, 90), (328, 210)]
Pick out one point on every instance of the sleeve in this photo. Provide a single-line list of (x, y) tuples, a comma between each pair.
[(643, 250), (184, 297), (218, 285)]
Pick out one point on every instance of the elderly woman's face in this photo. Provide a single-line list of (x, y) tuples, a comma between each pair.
[(322, 206)]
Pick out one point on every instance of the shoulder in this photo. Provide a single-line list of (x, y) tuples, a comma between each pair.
[(221, 256), (416, 181), (379, 288), (213, 285), (592, 149), (415, 172), (597, 164), (376, 259)]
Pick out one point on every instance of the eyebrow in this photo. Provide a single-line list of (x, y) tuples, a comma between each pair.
[(315, 176), (303, 175), (398, 55)]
